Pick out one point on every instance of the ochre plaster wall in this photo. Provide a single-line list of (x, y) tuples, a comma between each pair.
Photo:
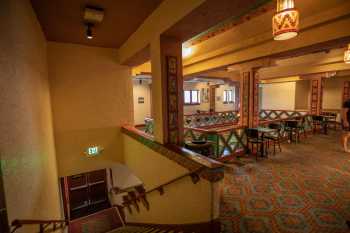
[(26, 140), (220, 106), (91, 99), (333, 93), (278, 96), (205, 106), (182, 202), (192, 109), (302, 94)]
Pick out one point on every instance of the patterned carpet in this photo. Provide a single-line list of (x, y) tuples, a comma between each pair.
[(306, 188)]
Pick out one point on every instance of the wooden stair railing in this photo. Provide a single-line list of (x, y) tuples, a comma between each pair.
[(43, 224), (133, 198)]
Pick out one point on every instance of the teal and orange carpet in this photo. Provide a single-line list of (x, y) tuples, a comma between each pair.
[(306, 188)]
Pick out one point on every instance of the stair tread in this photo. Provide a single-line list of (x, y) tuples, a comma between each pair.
[(142, 229)]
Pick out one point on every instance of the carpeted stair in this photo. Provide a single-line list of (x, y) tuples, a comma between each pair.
[(141, 229)]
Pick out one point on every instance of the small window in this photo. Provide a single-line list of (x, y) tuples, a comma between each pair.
[(192, 97), (229, 96)]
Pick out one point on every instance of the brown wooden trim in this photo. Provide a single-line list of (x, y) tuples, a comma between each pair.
[(213, 226)]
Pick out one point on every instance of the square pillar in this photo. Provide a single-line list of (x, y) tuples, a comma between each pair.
[(346, 91), (167, 91), (249, 92), (316, 100)]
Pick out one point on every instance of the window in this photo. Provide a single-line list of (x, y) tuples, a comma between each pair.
[(192, 97), (229, 96)]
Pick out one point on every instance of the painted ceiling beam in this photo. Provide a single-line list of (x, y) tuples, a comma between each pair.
[(324, 26), (166, 15)]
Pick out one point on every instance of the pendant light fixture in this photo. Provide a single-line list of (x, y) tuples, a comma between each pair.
[(347, 55), (285, 22)]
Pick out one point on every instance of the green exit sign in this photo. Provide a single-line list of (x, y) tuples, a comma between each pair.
[(93, 151)]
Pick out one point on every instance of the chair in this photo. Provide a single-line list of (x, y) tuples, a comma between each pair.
[(318, 122), (332, 119), (301, 126), (253, 138), (291, 127), (275, 137)]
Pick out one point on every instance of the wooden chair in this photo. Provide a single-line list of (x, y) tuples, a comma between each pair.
[(291, 127), (275, 137), (318, 122), (253, 138)]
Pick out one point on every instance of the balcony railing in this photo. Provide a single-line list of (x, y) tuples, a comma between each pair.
[(277, 115), (211, 119), (226, 141)]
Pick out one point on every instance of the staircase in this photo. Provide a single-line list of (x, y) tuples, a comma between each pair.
[(144, 229)]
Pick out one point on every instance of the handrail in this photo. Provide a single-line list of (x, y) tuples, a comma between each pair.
[(132, 198), (43, 224), (192, 174)]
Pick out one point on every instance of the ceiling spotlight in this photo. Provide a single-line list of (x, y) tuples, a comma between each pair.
[(92, 16), (89, 34)]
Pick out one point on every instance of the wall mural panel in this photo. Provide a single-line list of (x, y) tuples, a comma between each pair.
[(172, 90), (245, 99)]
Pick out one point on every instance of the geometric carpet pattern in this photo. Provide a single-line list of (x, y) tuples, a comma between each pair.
[(303, 189)]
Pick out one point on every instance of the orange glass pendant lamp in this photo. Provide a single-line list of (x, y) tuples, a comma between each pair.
[(285, 22)]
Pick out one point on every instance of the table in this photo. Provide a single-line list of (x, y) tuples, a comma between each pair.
[(262, 131)]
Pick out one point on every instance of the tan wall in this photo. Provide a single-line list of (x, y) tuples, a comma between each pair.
[(182, 202), (333, 93), (219, 104), (192, 109), (91, 99), (302, 94), (278, 96), (26, 140), (141, 110)]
